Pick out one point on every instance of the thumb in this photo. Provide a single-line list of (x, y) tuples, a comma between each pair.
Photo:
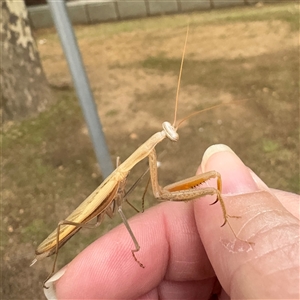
[(265, 267)]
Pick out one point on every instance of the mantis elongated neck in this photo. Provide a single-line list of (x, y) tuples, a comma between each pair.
[(142, 152)]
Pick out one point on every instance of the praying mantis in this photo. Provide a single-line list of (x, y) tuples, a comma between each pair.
[(109, 196)]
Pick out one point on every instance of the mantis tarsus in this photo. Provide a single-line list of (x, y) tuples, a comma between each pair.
[(109, 196)]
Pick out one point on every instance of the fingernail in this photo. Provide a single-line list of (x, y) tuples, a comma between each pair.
[(236, 177), (210, 151), (50, 293)]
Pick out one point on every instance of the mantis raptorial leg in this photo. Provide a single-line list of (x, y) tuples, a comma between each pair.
[(110, 195)]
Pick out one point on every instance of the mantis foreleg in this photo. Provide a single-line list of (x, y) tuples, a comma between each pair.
[(187, 190)]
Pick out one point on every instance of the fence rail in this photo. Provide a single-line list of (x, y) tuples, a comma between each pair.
[(98, 11)]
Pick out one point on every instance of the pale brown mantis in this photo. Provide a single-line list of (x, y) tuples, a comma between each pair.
[(109, 196)]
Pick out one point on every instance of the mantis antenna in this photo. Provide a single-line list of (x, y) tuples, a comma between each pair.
[(179, 77)]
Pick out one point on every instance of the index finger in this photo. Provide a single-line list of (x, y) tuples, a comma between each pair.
[(171, 250)]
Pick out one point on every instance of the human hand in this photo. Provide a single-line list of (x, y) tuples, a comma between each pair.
[(187, 255)]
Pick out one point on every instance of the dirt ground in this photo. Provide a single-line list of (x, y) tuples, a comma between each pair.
[(235, 54)]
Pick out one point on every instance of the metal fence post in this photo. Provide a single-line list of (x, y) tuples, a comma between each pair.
[(88, 106)]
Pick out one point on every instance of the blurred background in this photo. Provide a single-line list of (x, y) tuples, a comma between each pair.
[(232, 54)]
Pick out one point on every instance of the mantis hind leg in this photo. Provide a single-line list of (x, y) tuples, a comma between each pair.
[(60, 243)]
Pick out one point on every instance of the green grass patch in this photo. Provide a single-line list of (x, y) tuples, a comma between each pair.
[(36, 228), (269, 146), (280, 12), (112, 113), (46, 152)]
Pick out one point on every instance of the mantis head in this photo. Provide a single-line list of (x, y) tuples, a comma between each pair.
[(171, 131)]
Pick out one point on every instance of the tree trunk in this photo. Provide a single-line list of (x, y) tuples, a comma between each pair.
[(24, 88)]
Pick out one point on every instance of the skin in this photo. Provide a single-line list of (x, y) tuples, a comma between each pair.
[(187, 255)]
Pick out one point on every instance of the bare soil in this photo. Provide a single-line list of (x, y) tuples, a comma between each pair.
[(232, 55)]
